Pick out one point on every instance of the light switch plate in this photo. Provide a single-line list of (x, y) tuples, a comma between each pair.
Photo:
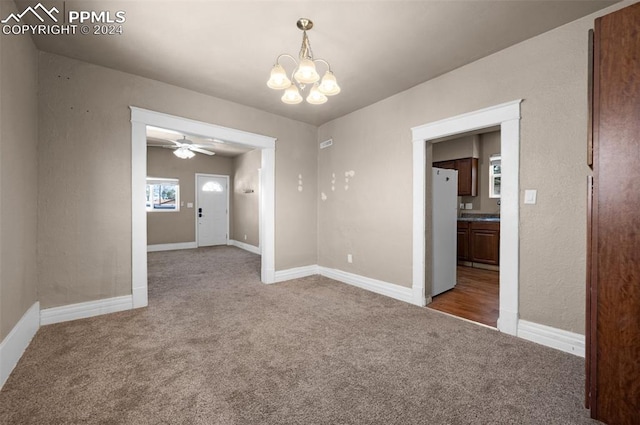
[(530, 196), (189, 204), (468, 206)]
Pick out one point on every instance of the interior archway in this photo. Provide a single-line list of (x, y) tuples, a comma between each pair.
[(140, 118)]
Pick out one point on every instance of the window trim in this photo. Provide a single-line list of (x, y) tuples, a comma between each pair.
[(164, 180)]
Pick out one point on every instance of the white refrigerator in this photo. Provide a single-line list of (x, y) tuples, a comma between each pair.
[(445, 217)]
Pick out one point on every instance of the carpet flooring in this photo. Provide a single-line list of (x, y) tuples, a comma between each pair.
[(215, 346)]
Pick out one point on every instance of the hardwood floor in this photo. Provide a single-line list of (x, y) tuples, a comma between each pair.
[(475, 296)]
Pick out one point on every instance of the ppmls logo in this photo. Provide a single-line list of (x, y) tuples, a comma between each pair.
[(84, 22), (34, 11)]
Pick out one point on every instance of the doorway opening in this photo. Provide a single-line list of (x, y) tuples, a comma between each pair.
[(466, 225), (140, 119), (506, 117)]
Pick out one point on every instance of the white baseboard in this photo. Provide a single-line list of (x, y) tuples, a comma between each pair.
[(171, 246), (559, 339), (66, 313), (295, 273), (245, 246), (392, 290), (14, 344)]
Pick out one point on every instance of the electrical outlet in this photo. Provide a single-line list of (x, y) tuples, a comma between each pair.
[(349, 258), (245, 237), (461, 206)]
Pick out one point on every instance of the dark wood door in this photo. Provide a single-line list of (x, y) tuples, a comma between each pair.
[(615, 262)]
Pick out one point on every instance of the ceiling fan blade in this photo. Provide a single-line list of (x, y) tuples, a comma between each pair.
[(201, 151), (158, 139), (161, 146)]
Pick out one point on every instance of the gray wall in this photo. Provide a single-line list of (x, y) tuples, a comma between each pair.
[(461, 147), (372, 220), (245, 205), (175, 227), (18, 175), (489, 145), (84, 152)]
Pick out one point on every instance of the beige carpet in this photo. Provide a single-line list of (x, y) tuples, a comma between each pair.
[(217, 347)]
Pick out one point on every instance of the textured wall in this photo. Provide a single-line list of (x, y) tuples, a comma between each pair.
[(489, 145), (246, 227), (18, 175), (175, 227), (462, 147), (84, 208), (372, 220)]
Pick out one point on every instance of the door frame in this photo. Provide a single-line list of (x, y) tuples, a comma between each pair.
[(507, 116), (140, 118), (198, 200)]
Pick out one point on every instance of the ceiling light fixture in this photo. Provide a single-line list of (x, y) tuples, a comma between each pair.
[(304, 73), (184, 153)]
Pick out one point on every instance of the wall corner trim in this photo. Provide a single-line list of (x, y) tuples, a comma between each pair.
[(171, 246), (401, 293), (392, 290), (562, 340), (295, 273), (246, 247), (17, 341), (70, 312)]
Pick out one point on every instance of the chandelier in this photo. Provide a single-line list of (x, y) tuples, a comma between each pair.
[(303, 74)]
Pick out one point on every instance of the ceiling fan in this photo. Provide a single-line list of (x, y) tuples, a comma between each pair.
[(185, 148)]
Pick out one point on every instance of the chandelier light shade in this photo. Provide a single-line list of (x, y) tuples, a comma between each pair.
[(316, 97), (278, 80), (291, 95), (304, 73)]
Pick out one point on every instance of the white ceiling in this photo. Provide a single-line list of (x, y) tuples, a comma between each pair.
[(162, 138), (376, 48)]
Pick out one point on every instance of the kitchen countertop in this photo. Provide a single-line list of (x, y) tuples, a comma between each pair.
[(495, 218)]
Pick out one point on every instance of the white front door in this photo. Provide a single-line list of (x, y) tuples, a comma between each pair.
[(212, 210)]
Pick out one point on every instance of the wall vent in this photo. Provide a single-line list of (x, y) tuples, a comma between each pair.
[(326, 143)]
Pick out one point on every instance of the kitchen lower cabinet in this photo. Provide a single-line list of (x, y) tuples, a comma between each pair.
[(485, 242), (463, 241), (479, 242)]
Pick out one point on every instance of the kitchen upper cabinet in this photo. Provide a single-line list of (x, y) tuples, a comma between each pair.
[(467, 174)]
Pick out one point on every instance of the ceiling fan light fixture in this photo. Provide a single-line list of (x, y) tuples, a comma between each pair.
[(184, 153), (303, 74)]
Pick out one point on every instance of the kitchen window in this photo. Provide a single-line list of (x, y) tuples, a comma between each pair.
[(495, 175)]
